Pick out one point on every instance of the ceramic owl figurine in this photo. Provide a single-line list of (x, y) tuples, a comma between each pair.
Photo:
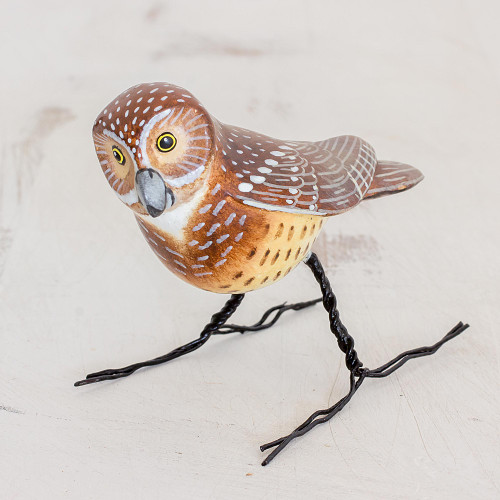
[(227, 209), (230, 210)]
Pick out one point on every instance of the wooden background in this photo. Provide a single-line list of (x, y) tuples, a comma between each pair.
[(81, 291)]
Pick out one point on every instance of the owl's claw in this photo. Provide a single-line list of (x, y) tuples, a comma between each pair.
[(261, 324), (358, 373), (217, 320), (222, 329)]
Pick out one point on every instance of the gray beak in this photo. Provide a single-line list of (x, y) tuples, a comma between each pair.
[(152, 192)]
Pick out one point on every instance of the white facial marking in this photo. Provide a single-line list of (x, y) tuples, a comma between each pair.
[(185, 179)]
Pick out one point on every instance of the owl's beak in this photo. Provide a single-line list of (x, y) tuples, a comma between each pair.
[(154, 195)]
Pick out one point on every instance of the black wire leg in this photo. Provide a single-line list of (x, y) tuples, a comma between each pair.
[(354, 365), (216, 322), (399, 361), (222, 329), (261, 324)]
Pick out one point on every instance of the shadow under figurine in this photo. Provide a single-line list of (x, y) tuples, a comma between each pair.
[(230, 210)]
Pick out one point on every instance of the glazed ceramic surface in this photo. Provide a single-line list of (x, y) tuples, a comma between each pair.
[(227, 209)]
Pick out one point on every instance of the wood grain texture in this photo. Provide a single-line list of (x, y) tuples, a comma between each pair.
[(80, 290)]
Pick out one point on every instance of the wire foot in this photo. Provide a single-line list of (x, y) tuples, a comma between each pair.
[(261, 324), (217, 320), (357, 372), (217, 326)]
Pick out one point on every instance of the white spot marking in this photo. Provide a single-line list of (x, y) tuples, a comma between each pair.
[(222, 238), (245, 187), (219, 206), (257, 179), (213, 229), (206, 245), (226, 251), (230, 219)]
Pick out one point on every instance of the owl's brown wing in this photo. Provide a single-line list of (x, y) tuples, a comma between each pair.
[(324, 178)]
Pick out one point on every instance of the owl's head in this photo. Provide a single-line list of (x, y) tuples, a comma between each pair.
[(155, 144)]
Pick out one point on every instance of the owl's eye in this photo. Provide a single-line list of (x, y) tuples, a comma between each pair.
[(118, 155), (166, 142)]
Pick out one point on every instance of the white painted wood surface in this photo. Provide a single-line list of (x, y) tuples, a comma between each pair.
[(81, 291)]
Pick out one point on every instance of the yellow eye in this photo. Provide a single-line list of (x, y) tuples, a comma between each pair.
[(118, 155), (166, 142)]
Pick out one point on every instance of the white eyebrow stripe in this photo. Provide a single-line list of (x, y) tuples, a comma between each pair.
[(198, 138), (145, 134), (197, 157), (178, 114), (168, 117), (197, 127), (186, 179), (193, 119), (187, 162)]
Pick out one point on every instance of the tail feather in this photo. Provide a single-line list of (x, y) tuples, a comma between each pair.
[(391, 177)]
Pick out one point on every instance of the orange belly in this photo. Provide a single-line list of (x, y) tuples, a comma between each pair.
[(238, 249)]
